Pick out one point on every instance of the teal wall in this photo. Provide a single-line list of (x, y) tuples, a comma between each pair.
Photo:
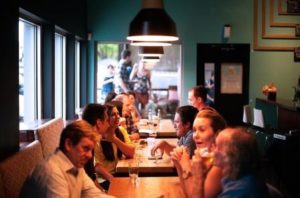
[(198, 21)]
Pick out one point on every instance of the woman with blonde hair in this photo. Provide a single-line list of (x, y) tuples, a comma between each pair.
[(206, 127)]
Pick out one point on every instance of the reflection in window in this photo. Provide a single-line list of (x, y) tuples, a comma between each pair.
[(29, 71), (60, 85), (209, 78)]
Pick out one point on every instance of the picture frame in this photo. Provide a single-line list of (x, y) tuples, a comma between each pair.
[(293, 6), (297, 30), (231, 78), (297, 54)]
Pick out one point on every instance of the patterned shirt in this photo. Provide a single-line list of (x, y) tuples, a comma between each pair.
[(123, 72), (188, 141)]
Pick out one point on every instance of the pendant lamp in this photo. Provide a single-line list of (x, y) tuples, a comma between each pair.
[(150, 43), (153, 24), (151, 51)]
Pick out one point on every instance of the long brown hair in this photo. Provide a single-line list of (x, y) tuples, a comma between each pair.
[(107, 146)]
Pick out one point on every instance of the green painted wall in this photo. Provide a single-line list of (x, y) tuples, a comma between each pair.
[(198, 21)]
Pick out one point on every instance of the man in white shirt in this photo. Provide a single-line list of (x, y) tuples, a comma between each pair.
[(62, 173), (197, 98)]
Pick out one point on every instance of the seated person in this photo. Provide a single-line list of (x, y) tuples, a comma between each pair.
[(183, 124), (206, 126), (62, 174), (114, 144), (237, 154), (131, 126), (133, 110)]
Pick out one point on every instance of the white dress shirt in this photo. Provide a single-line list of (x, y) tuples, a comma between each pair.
[(57, 177)]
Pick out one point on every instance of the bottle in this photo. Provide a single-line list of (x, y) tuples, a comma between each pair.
[(150, 115), (158, 119), (158, 115)]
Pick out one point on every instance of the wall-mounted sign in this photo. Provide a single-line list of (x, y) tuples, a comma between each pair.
[(231, 78)]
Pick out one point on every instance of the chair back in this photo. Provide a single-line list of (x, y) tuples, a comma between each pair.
[(49, 135), (247, 114), (15, 169), (258, 118)]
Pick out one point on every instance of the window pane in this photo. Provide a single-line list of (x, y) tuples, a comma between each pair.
[(28, 70), (59, 75), (77, 76)]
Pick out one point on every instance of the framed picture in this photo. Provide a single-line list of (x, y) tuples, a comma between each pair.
[(293, 6), (231, 78), (297, 30), (297, 54)]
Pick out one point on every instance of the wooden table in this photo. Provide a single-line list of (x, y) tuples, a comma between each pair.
[(149, 167), (147, 187), (165, 129)]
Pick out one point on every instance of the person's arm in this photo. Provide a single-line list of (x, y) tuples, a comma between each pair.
[(133, 72), (120, 80), (108, 81), (212, 183), (99, 169), (98, 159), (89, 189), (126, 149), (164, 146)]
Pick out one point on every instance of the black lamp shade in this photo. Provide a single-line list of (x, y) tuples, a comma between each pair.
[(152, 24)]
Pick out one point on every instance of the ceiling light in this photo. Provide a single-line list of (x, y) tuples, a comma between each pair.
[(151, 51), (151, 59), (152, 23), (149, 43)]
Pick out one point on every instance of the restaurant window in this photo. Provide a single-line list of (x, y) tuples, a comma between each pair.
[(29, 71), (60, 70), (165, 75), (77, 76)]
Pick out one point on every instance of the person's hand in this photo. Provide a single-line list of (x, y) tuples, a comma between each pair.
[(181, 160), (159, 145), (122, 122), (109, 135)]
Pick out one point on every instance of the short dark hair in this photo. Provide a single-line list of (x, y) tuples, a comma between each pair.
[(92, 112), (131, 93), (110, 96), (76, 131), (187, 114), (125, 53), (200, 91)]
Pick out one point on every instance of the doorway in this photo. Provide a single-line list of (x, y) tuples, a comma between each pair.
[(224, 70)]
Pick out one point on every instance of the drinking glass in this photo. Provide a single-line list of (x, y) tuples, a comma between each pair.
[(207, 156), (133, 170), (157, 156)]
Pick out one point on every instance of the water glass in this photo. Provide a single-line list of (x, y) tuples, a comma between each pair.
[(133, 170)]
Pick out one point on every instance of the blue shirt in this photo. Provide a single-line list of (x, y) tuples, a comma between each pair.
[(188, 141), (245, 187)]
